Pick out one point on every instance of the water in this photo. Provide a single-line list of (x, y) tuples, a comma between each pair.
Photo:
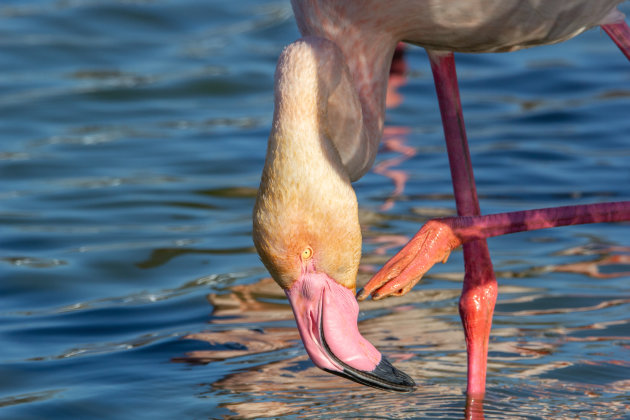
[(133, 135)]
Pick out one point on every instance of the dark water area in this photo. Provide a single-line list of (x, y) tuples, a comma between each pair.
[(133, 135)]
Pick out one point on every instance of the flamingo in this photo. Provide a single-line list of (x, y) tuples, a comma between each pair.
[(329, 111)]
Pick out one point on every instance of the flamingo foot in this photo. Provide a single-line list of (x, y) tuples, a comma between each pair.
[(432, 244)]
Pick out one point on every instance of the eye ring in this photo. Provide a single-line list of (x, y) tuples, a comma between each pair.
[(307, 253)]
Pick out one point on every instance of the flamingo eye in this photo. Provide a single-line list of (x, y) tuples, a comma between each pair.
[(307, 253)]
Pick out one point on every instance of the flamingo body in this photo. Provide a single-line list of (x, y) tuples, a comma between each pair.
[(457, 25)]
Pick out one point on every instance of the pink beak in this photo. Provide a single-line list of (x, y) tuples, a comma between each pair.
[(326, 314)]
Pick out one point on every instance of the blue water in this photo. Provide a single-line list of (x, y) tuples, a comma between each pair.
[(133, 136)]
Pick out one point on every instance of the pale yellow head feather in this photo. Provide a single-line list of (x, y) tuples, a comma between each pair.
[(306, 209)]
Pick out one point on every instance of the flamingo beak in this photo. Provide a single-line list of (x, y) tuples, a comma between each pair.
[(326, 314)]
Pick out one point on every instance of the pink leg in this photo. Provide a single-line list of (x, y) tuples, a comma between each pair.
[(620, 34), (466, 229), (479, 293), (438, 237)]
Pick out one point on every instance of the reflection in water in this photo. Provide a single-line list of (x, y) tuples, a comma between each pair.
[(291, 380), (161, 256), (29, 398), (421, 333), (394, 141), (240, 342), (394, 138), (613, 262), (474, 409)]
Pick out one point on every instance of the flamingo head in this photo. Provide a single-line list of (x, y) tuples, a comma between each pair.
[(306, 228)]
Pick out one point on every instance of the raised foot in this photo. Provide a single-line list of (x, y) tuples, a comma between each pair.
[(433, 243)]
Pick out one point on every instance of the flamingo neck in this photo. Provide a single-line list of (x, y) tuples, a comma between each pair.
[(301, 138), (305, 199)]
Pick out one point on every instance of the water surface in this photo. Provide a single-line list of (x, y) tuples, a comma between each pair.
[(133, 136)]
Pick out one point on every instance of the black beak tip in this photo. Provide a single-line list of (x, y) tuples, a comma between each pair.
[(398, 379), (385, 376)]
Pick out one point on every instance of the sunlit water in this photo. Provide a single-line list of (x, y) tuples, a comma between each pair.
[(133, 136)]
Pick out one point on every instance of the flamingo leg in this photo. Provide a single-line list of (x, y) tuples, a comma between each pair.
[(438, 237), (482, 227), (620, 34), (479, 293)]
